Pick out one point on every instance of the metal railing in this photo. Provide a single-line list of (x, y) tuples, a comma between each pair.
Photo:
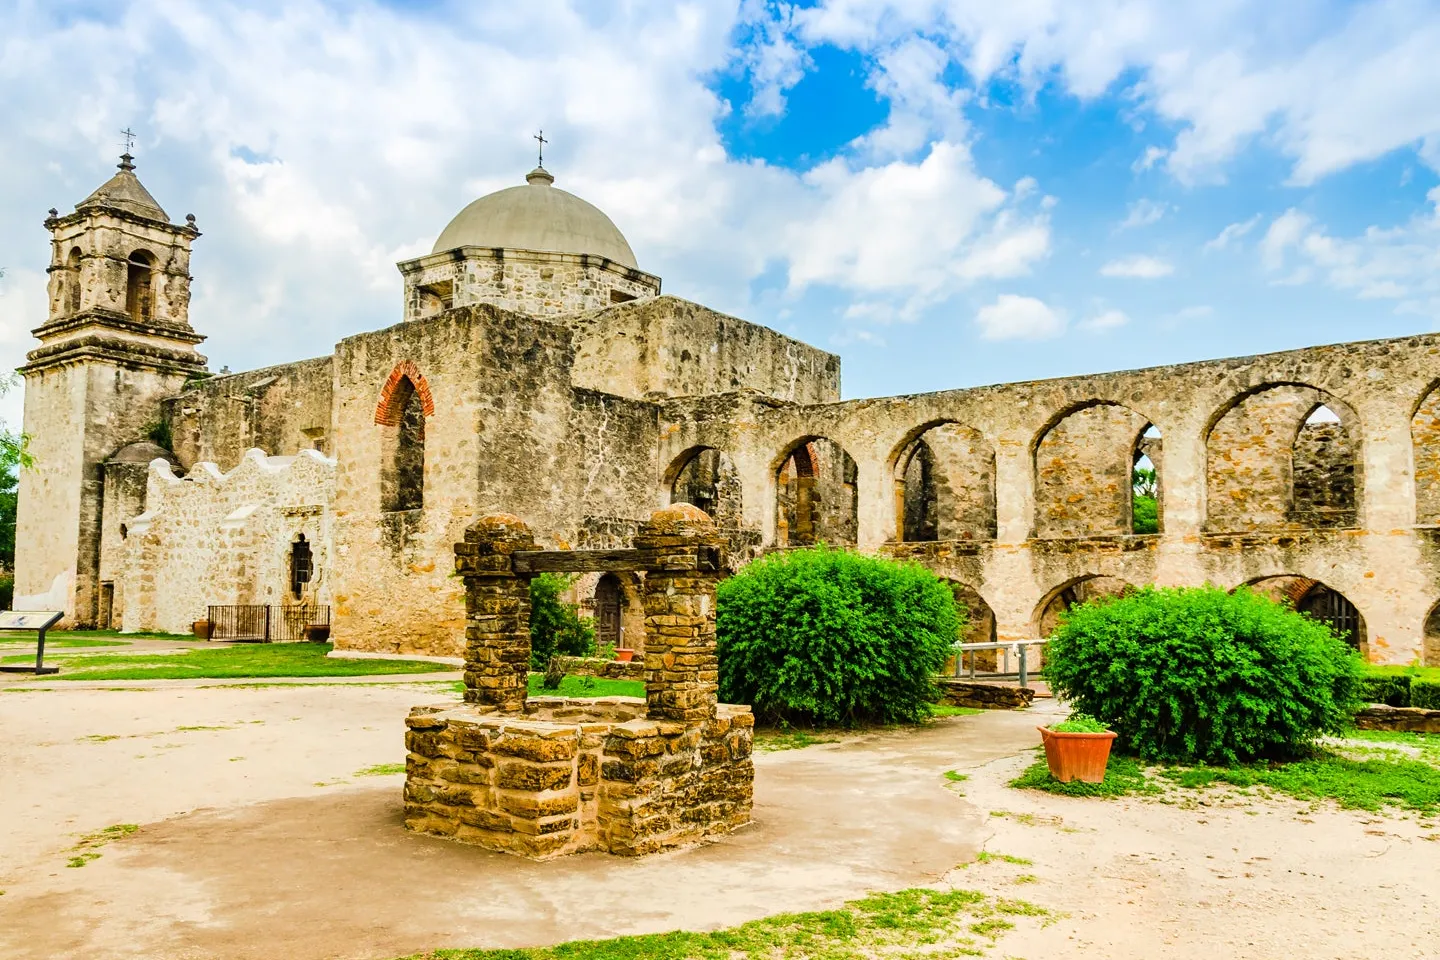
[(266, 622), (1016, 648)]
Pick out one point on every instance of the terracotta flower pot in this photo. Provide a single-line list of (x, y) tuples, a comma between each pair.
[(624, 655), (1077, 756), (201, 629)]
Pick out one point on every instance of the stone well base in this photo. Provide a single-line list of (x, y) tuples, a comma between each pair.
[(575, 775)]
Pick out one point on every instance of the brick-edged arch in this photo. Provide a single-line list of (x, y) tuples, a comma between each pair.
[(392, 404)]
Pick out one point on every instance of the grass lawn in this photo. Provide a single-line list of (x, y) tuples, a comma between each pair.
[(573, 686), (55, 641), (910, 923), (251, 660), (1364, 771)]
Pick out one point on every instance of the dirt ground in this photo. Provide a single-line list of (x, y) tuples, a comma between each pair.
[(258, 837)]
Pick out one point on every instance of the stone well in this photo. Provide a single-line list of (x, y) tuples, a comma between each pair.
[(549, 776)]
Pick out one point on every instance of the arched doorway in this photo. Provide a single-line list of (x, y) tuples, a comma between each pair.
[(815, 495), (945, 485), (1084, 465)]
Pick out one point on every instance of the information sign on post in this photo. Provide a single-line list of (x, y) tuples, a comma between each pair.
[(39, 621)]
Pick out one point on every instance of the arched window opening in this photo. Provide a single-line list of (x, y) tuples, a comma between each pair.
[(1084, 472), (945, 486), (72, 283), (707, 479), (140, 286), (1320, 602), (815, 496), (402, 475), (1282, 456), (609, 607), (1145, 507), (1425, 438), (302, 567), (1323, 471)]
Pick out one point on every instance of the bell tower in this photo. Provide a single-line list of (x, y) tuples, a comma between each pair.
[(116, 342)]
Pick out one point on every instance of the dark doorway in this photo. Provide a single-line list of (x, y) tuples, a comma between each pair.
[(302, 567), (608, 603)]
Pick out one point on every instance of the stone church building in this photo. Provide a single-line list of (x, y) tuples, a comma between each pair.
[(536, 369)]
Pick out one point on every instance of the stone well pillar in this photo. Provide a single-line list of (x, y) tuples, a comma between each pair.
[(497, 612), (681, 669)]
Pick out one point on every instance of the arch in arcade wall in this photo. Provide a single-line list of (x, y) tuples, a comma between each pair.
[(1084, 467), (1320, 601), (707, 478), (1072, 593), (944, 484), (1282, 455), (815, 494)]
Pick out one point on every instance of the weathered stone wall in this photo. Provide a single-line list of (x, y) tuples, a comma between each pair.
[(668, 347), (596, 667), (225, 538), (1229, 430), (525, 281), (1082, 472), (508, 431), (282, 410)]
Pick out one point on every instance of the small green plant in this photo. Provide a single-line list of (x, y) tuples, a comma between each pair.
[(381, 770), (985, 856), (555, 625), (830, 637), (1079, 723), (954, 777), (158, 433), (1198, 674), (553, 676)]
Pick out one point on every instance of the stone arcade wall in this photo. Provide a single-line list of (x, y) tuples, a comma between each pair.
[(1062, 449), (224, 538), (550, 776)]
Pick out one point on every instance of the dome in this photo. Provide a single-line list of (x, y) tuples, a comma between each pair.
[(142, 452), (537, 216)]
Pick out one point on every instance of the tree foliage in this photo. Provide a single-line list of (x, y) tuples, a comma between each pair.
[(826, 636), (556, 626), (1198, 674), (1145, 502)]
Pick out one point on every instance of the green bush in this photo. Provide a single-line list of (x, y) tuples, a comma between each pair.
[(7, 590), (1425, 693), (824, 636), (556, 626), (1391, 689), (1199, 674)]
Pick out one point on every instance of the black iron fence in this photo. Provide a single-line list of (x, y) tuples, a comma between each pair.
[(268, 622)]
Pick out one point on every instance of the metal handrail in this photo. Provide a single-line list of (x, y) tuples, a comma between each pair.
[(1018, 647)]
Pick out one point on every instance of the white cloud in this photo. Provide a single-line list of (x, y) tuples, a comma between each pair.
[(1283, 233), (1190, 314), (1232, 233), (1138, 267), (1398, 263), (1142, 213), (1328, 85), (318, 145), (1106, 320), (1013, 317)]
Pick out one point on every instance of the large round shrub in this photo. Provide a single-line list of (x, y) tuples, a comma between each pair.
[(1198, 674), (831, 637)]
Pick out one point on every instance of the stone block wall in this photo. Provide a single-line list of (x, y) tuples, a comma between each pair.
[(569, 776), (596, 667), (529, 281)]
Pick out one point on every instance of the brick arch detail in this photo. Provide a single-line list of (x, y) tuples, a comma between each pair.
[(389, 410)]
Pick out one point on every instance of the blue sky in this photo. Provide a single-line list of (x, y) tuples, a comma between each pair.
[(944, 192)]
